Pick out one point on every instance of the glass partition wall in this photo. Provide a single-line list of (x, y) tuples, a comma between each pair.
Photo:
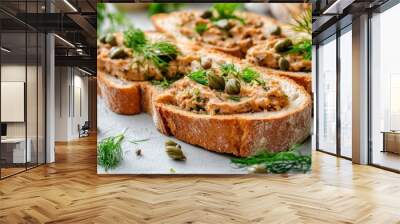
[(385, 89), (334, 94), (22, 77)]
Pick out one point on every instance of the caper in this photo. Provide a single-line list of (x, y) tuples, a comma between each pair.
[(175, 152), (117, 53), (102, 39), (170, 143), (110, 39), (207, 14), (232, 86), (223, 24), (276, 31), (258, 168), (216, 82), (283, 64), (283, 45)]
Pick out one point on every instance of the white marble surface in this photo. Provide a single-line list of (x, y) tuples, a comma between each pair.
[(154, 160)]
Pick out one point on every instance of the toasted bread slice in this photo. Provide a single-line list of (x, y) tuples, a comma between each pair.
[(170, 24), (241, 134)]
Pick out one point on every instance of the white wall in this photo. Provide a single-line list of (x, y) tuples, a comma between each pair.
[(71, 94)]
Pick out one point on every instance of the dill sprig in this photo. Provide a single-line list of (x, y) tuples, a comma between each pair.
[(226, 11), (164, 83), (199, 76), (109, 151), (117, 20), (155, 8), (303, 23), (159, 53), (304, 48), (278, 162)]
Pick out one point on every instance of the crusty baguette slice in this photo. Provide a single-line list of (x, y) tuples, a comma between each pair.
[(239, 134), (123, 97), (247, 133), (169, 24)]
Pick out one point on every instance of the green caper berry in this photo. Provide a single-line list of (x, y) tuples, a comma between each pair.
[(283, 64), (258, 168), (102, 39), (276, 31), (232, 86), (170, 143), (175, 152), (216, 82), (206, 14), (110, 39), (117, 53), (283, 45)]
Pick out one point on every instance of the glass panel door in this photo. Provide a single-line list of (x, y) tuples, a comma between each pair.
[(385, 89), (346, 93), (327, 96)]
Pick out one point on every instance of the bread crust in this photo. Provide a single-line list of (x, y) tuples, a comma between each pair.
[(165, 23)]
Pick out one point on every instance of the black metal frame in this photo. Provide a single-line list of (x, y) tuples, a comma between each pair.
[(44, 77)]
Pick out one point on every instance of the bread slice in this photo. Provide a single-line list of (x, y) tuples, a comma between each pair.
[(240, 134), (170, 25), (246, 133)]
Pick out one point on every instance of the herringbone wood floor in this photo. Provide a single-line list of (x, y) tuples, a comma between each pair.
[(70, 191)]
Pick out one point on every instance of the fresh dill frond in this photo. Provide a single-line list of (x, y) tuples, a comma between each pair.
[(201, 28), (303, 23), (226, 11), (155, 8), (165, 83), (303, 47), (229, 69), (278, 162), (199, 76), (109, 151), (135, 39), (159, 53), (137, 141), (249, 75)]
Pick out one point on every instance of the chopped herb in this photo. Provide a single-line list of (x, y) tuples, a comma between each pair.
[(159, 53), (249, 75), (155, 8), (226, 11), (304, 22), (172, 170), (278, 162), (201, 28), (109, 151), (199, 76), (229, 69), (234, 98), (304, 48)]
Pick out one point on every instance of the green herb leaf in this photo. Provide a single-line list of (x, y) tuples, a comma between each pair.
[(249, 75), (201, 28), (135, 39), (229, 69), (155, 8), (278, 162), (160, 53), (226, 11), (109, 151), (304, 22), (199, 76), (165, 83), (304, 48), (234, 98)]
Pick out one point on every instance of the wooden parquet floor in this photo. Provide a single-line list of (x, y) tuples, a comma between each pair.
[(70, 191)]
